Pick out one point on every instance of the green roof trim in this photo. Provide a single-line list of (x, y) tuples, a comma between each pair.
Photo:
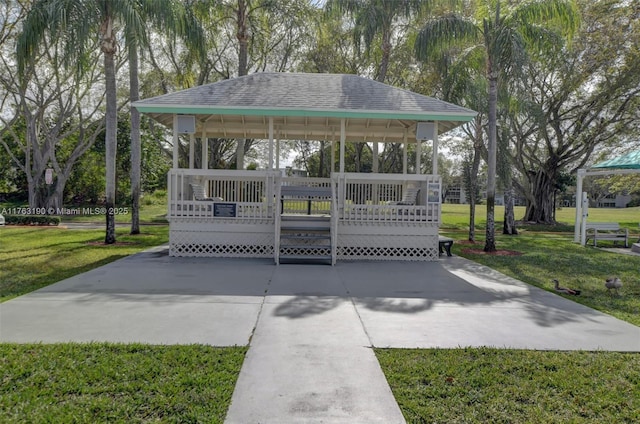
[(204, 110)]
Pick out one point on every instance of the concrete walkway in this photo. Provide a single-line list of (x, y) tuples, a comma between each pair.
[(310, 327)]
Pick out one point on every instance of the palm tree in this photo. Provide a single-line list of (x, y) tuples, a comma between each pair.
[(372, 19), (172, 18), (75, 23), (505, 39)]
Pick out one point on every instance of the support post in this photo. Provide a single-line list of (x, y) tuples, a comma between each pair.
[(240, 154), (204, 156), (405, 147), (434, 160), (375, 160), (175, 141), (343, 136), (192, 144), (578, 222), (418, 155), (583, 223), (270, 165), (278, 150)]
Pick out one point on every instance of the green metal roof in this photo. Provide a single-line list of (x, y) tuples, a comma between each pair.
[(629, 161)]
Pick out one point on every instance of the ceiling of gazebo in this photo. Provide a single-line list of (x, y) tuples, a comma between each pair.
[(305, 107)]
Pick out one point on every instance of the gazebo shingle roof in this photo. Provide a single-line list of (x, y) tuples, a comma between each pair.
[(311, 100)]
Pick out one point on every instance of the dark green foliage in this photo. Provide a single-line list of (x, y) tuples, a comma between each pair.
[(31, 220)]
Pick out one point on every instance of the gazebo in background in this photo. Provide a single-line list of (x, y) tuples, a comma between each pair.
[(625, 164), (264, 213)]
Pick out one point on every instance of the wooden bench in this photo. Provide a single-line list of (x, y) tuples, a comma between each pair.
[(444, 243), (609, 231)]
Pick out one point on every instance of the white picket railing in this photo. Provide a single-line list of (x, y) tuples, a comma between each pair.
[(383, 198), (250, 194), (355, 197)]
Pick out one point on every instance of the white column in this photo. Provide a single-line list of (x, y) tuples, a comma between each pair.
[(278, 150), (374, 165), (583, 222), (343, 136), (175, 141), (192, 143), (578, 223), (240, 154), (418, 155), (405, 146), (434, 165), (205, 151), (333, 155), (270, 165)]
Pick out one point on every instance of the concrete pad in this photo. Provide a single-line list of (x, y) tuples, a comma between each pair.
[(311, 368), (149, 298), (476, 306), (177, 320)]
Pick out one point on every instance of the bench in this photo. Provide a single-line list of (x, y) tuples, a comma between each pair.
[(609, 231), (444, 243), (200, 195), (304, 193)]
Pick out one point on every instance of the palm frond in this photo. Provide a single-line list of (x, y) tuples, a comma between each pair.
[(562, 15), (442, 32)]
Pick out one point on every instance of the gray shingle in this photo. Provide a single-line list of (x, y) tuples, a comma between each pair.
[(307, 92)]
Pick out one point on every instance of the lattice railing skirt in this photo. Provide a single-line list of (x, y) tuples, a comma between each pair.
[(257, 240), (221, 244), (386, 247)]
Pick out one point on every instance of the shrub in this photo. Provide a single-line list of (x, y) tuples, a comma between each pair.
[(31, 220)]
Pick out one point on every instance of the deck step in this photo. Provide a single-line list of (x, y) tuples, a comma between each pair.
[(305, 237), (304, 229), (306, 247), (305, 259)]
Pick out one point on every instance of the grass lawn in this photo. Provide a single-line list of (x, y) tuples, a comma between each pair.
[(134, 383), (517, 386), (110, 383), (34, 257), (513, 386), (548, 255), (457, 217)]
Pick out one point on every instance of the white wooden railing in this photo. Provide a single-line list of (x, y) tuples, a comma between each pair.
[(256, 195), (250, 194), (379, 198)]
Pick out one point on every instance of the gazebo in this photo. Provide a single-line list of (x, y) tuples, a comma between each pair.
[(625, 164), (264, 213)]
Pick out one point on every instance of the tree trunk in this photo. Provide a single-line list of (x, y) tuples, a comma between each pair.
[(490, 242), (242, 36), (509, 225), (243, 44), (540, 207), (136, 150), (110, 133)]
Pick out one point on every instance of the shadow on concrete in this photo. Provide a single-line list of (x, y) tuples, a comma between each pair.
[(304, 290), (304, 306)]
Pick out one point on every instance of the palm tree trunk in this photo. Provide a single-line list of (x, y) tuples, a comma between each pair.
[(134, 95), (110, 145), (243, 45)]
